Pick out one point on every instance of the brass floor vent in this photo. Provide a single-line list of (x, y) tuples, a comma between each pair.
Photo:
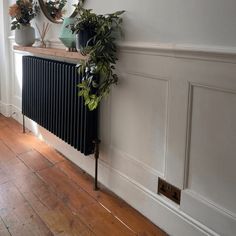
[(168, 190)]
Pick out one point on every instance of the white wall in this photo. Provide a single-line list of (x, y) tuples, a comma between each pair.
[(201, 22), (176, 21), (4, 60), (172, 114)]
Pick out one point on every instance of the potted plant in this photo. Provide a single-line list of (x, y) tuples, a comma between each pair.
[(22, 12), (97, 35)]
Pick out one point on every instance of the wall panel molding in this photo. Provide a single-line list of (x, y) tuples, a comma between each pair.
[(197, 200), (132, 168), (160, 112), (167, 80), (189, 120), (188, 51)]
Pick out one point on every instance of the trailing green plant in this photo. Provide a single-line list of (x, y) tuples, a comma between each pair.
[(98, 70)]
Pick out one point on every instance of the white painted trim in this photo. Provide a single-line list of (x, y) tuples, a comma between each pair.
[(167, 80), (178, 47), (190, 51), (5, 109), (221, 220), (193, 85), (127, 157), (162, 213), (17, 114), (199, 52), (130, 166)]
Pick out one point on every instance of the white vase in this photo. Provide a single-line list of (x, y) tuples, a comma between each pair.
[(25, 35)]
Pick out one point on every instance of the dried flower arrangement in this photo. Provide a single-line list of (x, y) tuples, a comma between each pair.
[(22, 12)]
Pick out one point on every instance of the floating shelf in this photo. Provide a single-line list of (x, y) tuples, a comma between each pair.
[(55, 52)]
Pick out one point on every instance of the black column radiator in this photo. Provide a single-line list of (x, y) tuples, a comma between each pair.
[(50, 97)]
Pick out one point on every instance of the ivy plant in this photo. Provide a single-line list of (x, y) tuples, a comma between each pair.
[(98, 71)]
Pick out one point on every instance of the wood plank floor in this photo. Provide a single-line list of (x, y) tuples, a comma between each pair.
[(42, 193)]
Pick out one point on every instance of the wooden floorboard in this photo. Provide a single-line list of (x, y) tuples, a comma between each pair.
[(117, 206), (43, 193), (35, 160)]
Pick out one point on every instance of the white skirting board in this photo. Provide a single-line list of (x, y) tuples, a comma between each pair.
[(199, 208), (5, 109)]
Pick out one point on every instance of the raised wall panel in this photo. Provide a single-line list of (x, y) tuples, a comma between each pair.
[(210, 173), (139, 119), (212, 147)]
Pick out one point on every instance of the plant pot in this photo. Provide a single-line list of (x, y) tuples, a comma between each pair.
[(25, 35), (66, 36), (83, 37)]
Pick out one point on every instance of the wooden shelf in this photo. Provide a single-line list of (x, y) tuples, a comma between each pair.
[(55, 52)]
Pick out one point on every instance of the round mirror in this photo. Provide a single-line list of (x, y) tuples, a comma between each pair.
[(57, 10)]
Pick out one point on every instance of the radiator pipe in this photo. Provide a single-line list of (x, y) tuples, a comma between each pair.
[(96, 156), (23, 124)]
